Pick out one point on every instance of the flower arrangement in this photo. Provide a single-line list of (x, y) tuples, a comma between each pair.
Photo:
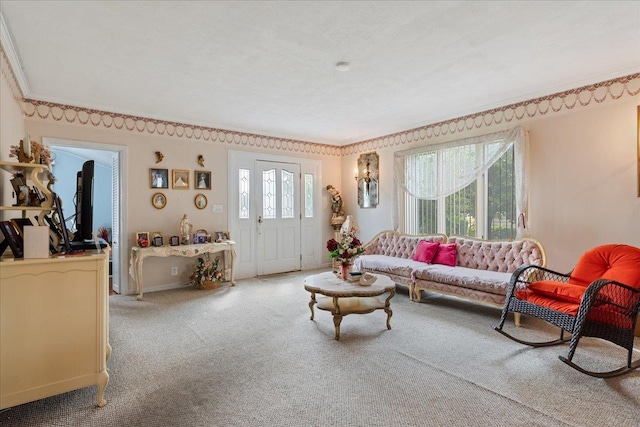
[(345, 251), (206, 270), (40, 153)]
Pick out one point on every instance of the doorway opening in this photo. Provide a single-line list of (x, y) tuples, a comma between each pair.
[(108, 215)]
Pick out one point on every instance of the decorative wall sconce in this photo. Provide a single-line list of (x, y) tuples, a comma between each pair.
[(366, 175)]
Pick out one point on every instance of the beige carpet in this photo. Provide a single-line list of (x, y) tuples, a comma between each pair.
[(250, 356)]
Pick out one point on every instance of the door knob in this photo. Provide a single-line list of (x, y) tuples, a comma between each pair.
[(260, 219)]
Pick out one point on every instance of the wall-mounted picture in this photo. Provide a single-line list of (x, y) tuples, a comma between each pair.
[(180, 179), (202, 180), (221, 236), (159, 200), (142, 239), (159, 178), (200, 201)]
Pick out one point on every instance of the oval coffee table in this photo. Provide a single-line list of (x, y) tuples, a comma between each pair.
[(342, 298)]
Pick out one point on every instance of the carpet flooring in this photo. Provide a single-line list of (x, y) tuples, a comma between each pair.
[(250, 356)]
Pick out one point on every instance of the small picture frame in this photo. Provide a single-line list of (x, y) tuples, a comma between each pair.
[(159, 200), (202, 180), (11, 239), (142, 239), (158, 241), (20, 223), (180, 179), (222, 236), (174, 241), (159, 178), (200, 201)]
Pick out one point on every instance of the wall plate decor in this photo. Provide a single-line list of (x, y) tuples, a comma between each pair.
[(200, 201), (159, 200), (367, 180), (202, 180), (159, 178), (180, 179)]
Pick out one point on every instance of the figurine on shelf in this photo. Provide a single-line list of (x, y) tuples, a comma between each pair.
[(185, 230), (23, 155)]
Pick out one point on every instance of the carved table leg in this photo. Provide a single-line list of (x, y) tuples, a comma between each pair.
[(387, 308), (337, 318), (138, 274), (312, 303)]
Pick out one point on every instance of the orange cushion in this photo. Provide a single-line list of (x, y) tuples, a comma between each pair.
[(545, 301), (615, 262), (557, 290)]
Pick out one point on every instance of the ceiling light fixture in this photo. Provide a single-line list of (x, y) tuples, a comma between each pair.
[(343, 66)]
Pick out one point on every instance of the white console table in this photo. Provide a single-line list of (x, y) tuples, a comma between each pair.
[(138, 254)]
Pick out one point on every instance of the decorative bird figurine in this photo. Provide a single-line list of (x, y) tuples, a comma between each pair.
[(201, 160), (159, 156)]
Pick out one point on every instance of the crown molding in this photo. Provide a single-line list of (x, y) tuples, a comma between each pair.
[(12, 57)]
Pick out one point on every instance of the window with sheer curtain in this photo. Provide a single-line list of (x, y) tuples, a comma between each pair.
[(473, 187)]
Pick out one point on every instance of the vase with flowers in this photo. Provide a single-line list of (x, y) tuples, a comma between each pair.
[(345, 251), (206, 273)]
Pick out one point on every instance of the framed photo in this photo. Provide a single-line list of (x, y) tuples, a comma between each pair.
[(142, 239), (221, 236), (180, 179), (200, 201), (159, 178), (11, 239), (174, 241), (202, 180), (19, 224), (159, 200), (158, 240)]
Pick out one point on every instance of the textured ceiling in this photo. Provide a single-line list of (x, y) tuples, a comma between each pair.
[(269, 67)]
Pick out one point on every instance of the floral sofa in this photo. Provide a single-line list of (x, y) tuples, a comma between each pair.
[(481, 269)]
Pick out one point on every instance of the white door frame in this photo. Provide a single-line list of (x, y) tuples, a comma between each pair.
[(310, 229), (123, 256)]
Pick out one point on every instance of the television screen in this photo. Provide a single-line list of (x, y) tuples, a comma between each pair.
[(84, 203)]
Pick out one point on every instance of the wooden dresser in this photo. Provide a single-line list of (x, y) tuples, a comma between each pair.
[(54, 326)]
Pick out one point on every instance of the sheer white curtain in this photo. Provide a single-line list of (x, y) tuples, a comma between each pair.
[(418, 173)]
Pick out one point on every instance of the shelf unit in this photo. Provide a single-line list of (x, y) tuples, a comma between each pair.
[(32, 173)]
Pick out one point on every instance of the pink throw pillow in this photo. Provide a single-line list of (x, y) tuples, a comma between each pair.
[(446, 255), (425, 251)]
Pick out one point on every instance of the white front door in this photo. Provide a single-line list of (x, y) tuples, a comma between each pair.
[(278, 216)]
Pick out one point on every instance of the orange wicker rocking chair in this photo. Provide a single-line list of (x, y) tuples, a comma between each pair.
[(599, 298)]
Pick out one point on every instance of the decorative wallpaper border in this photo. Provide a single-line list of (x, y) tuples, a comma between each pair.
[(567, 100), (97, 118)]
